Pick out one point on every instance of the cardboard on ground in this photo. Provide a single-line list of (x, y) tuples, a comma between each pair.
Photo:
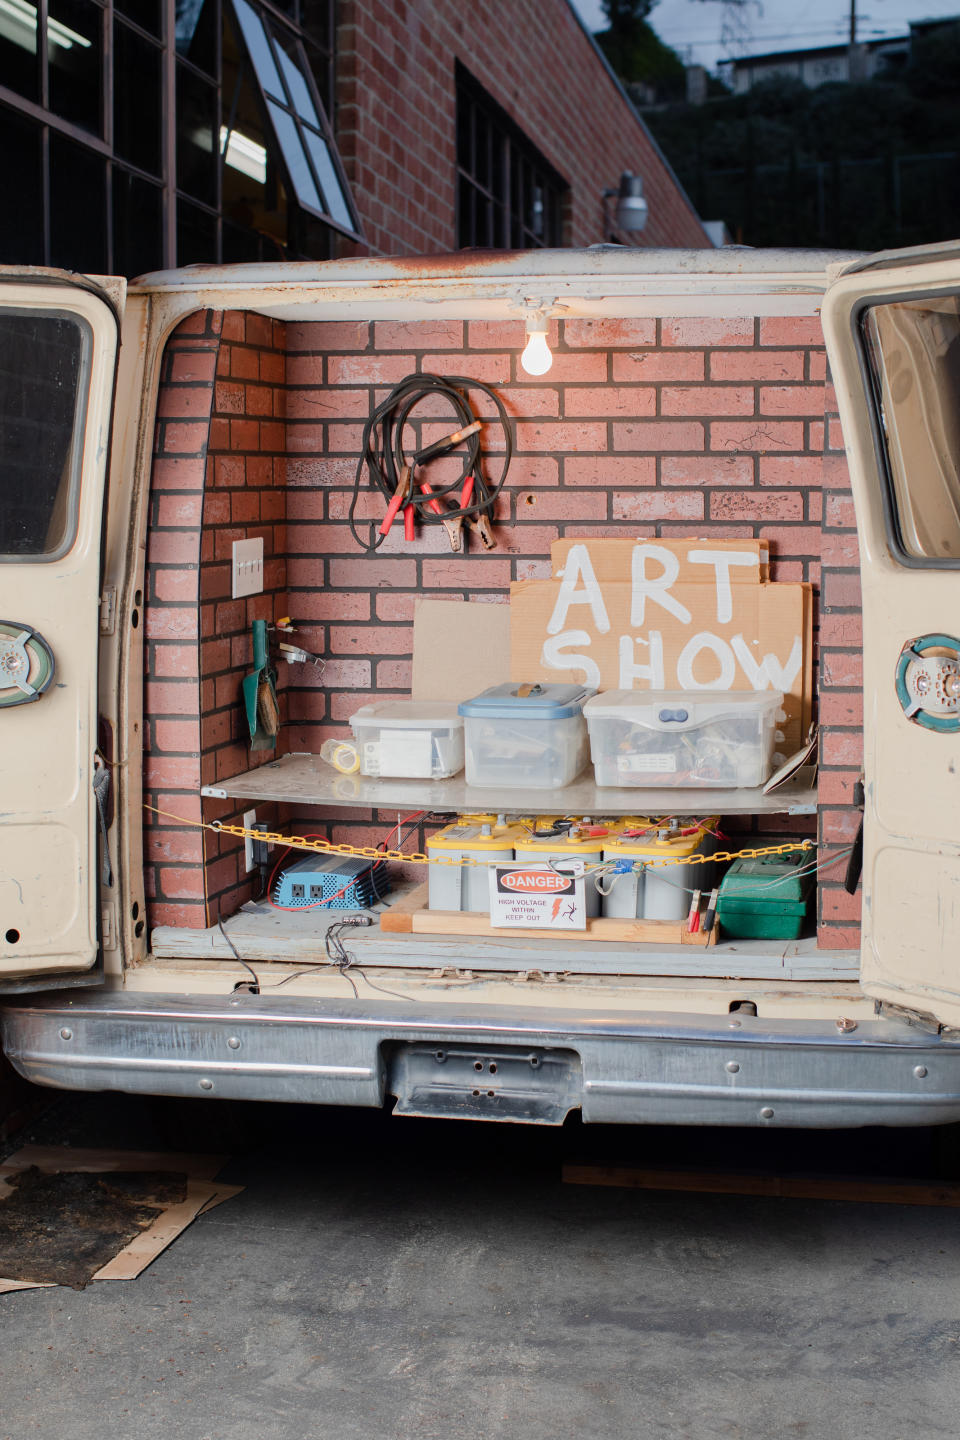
[(203, 1193), (656, 628)]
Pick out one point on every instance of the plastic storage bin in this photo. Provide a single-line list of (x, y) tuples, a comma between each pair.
[(530, 737), (658, 892), (719, 738), (452, 887), (766, 898), (412, 739)]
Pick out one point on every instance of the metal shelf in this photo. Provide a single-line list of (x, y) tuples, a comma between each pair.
[(308, 780)]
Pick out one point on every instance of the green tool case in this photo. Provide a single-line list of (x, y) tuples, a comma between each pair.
[(766, 898)]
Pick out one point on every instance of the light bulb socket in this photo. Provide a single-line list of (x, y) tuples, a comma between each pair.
[(537, 325)]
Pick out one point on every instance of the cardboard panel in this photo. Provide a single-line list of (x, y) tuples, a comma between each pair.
[(688, 637), (746, 561), (460, 647)]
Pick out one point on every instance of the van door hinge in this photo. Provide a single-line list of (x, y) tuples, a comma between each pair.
[(108, 609), (108, 926)]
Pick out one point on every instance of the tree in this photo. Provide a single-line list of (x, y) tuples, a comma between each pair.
[(635, 51)]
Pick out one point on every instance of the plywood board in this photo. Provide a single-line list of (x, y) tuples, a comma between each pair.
[(413, 919)]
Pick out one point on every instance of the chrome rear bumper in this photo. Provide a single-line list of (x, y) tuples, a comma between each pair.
[(491, 1063)]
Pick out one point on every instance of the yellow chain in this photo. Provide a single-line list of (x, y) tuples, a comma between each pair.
[(370, 852)]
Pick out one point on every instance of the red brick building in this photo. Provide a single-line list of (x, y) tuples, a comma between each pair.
[(233, 130)]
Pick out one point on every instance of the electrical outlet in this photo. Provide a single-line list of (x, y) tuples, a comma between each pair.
[(249, 820), (247, 569)]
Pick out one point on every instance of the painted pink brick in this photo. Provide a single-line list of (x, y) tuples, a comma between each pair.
[(609, 333), (706, 470), (707, 331), (610, 400), (706, 400), (561, 435), (791, 400), (757, 365), (659, 365), (606, 470), (418, 335), (790, 330), (659, 435), (658, 505), (759, 435)]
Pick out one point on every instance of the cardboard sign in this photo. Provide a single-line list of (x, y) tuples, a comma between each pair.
[(537, 896), (658, 630), (747, 562)]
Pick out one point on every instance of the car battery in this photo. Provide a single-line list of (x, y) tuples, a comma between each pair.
[(583, 841), (651, 891), (766, 897), (479, 838)]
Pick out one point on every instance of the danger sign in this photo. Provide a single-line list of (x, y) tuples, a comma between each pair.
[(537, 896)]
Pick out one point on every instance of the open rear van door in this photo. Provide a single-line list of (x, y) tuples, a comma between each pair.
[(892, 326), (59, 337)]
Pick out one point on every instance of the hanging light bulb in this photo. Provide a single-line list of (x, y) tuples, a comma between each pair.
[(536, 358)]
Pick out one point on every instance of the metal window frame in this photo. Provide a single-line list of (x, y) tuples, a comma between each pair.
[(515, 148), (270, 21)]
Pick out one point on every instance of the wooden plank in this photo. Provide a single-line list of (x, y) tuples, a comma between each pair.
[(264, 935), (603, 927), (854, 1189), (398, 918)]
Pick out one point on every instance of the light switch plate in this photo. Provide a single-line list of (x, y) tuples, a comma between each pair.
[(247, 570)]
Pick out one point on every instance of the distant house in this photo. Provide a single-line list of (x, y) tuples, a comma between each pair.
[(874, 59)]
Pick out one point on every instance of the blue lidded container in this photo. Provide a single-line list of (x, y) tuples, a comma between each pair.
[(529, 735)]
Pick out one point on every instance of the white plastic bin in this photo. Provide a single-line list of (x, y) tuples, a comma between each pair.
[(718, 738), (530, 737), (412, 739)]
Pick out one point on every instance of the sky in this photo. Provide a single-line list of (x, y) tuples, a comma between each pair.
[(694, 27)]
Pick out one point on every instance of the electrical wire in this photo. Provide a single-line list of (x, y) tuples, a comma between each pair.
[(382, 454), (239, 958)]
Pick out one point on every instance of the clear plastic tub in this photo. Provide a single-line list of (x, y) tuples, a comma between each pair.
[(531, 737), (412, 739), (718, 738)]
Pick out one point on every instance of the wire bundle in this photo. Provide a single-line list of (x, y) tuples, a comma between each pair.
[(383, 456)]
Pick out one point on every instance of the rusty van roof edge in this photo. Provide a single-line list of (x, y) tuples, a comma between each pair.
[(466, 267)]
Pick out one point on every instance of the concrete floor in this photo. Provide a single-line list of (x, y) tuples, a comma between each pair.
[(392, 1279)]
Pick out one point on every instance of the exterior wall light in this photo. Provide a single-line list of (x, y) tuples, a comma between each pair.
[(630, 213)]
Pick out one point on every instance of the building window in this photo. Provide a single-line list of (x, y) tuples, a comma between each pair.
[(244, 169), (508, 196)]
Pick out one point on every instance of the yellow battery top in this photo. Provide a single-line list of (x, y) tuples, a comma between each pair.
[(591, 837), (468, 834), (650, 844)]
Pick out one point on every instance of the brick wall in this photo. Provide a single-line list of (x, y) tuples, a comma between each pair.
[(396, 116), (219, 476), (673, 427)]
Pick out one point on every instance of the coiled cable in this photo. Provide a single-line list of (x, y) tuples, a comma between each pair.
[(383, 457)]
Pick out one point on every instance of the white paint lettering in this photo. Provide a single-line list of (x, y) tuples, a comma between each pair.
[(578, 567), (553, 658), (768, 673), (722, 560), (656, 587), (688, 655), (631, 671)]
